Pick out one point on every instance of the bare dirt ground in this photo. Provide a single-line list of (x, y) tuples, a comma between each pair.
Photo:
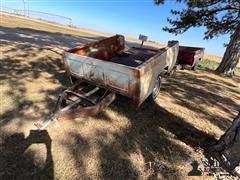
[(156, 141)]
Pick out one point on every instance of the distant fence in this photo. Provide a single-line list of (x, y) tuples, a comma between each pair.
[(39, 15)]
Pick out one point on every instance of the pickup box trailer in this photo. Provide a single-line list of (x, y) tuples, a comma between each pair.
[(105, 68), (190, 56), (131, 72)]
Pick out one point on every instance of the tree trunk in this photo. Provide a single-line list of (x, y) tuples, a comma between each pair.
[(231, 56), (227, 149)]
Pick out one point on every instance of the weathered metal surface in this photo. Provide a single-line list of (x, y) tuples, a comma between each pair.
[(72, 104), (190, 55), (130, 72), (103, 49), (89, 110)]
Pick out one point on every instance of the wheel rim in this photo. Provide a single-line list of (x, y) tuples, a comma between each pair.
[(157, 87)]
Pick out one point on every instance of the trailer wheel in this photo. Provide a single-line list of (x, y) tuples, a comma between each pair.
[(194, 68), (73, 79), (156, 89), (173, 72)]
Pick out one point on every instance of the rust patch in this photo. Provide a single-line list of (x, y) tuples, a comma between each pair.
[(104, 49), (90, 110), (81, 105), (68, 71), (135, 88)]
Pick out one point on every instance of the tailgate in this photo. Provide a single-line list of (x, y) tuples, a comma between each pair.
[(114, 76)]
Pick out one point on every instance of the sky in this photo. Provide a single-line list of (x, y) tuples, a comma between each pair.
[(126, 17)]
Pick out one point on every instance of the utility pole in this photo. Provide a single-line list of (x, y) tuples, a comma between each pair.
[(24, 6), (28, 8)]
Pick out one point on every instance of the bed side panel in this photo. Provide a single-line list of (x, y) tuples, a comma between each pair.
[(172, 54), (149, 73), (154, 67)]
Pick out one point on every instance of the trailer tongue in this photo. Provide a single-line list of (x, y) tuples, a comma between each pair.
[(80, 100)]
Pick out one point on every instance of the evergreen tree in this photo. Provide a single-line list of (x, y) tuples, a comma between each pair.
[(219, 17)]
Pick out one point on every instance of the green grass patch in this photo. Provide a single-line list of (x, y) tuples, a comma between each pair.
[(206, 64)]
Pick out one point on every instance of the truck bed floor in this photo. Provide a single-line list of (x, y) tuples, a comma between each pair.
[(134, 57)]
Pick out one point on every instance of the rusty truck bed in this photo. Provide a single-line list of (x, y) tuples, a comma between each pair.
[(131, 72), (190, 56)]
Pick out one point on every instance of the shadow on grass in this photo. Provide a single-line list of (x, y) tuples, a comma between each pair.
[(42, 38), (197, 94), (114, 164), (153, 128), (154, 131), (77, 147), (28, 57), (18, 164)]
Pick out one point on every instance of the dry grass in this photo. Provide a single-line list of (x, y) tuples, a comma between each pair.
[(212, 57), (156, 141)]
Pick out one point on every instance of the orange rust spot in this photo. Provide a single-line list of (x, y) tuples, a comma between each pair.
[(104, 49), (136, 88)]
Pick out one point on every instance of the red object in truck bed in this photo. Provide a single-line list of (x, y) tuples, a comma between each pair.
[(190, 55)]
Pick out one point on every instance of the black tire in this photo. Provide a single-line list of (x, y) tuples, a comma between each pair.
[(194, 68), (173, 72), (73, 79), (156, 89)]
